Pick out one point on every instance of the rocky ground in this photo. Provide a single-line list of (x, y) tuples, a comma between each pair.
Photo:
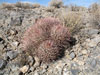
[(82, 59)]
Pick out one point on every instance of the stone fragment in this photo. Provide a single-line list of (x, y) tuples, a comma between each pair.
[(24, 69)]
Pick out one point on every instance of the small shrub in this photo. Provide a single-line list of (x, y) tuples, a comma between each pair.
[(95, 14), (35, 5), (23, 5), (76, 8), (56, 3), (7, 6), (95, 18), (42, 39), (71, 20), (50, 9), (94, 7), (18, 4), (26, 5)]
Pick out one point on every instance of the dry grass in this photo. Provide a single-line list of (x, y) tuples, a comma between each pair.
[(94, 7), (76, 8), (50, 9), (71, 20), (27, 5), (7, 6), (95, 17), (23, 5), (35, 5), (56, 3), (95, 14), (19, 5)]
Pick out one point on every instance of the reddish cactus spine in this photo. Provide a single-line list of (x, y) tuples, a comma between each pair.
[(44, 38)]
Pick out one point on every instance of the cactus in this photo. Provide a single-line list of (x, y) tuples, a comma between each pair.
[(60, 34), (45, 38), (48, 51)]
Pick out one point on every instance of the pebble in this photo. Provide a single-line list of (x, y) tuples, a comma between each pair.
[(36, 73), (93, 31), (93, 63), (12, 54), (75, 71), (17, 72), (15, 44), (79, 62), (32, 68), (16, 21), (37, 62), (10, 37), (72, 55), (84, 52), (1, 72), (31, 61), (94, 41), (1, 46), (2, 63), (12, 32), (24, 69), (13, 66)]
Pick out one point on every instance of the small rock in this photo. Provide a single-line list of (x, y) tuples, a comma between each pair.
[(15, 44), (72, 55), (16, 21), (12, 32), (37, 62), (93, 63), (1, 72), (1, 46), (10, 37), (36, 73), (75, 71), (17, 72), (31, 61), (84, 52), (32, 69), (13, 66), (93, 42), (2, 63), (24, 69), (93, 31), (81, 63), (12, 54)]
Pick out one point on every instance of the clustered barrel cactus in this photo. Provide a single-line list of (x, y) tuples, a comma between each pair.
[(46, 39)]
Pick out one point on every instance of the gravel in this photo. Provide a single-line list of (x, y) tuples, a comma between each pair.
[(80, 59)]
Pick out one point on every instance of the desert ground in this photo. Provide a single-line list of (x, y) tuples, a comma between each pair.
[(82, 58)]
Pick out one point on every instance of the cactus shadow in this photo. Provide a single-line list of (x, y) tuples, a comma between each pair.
[(63, 49)]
